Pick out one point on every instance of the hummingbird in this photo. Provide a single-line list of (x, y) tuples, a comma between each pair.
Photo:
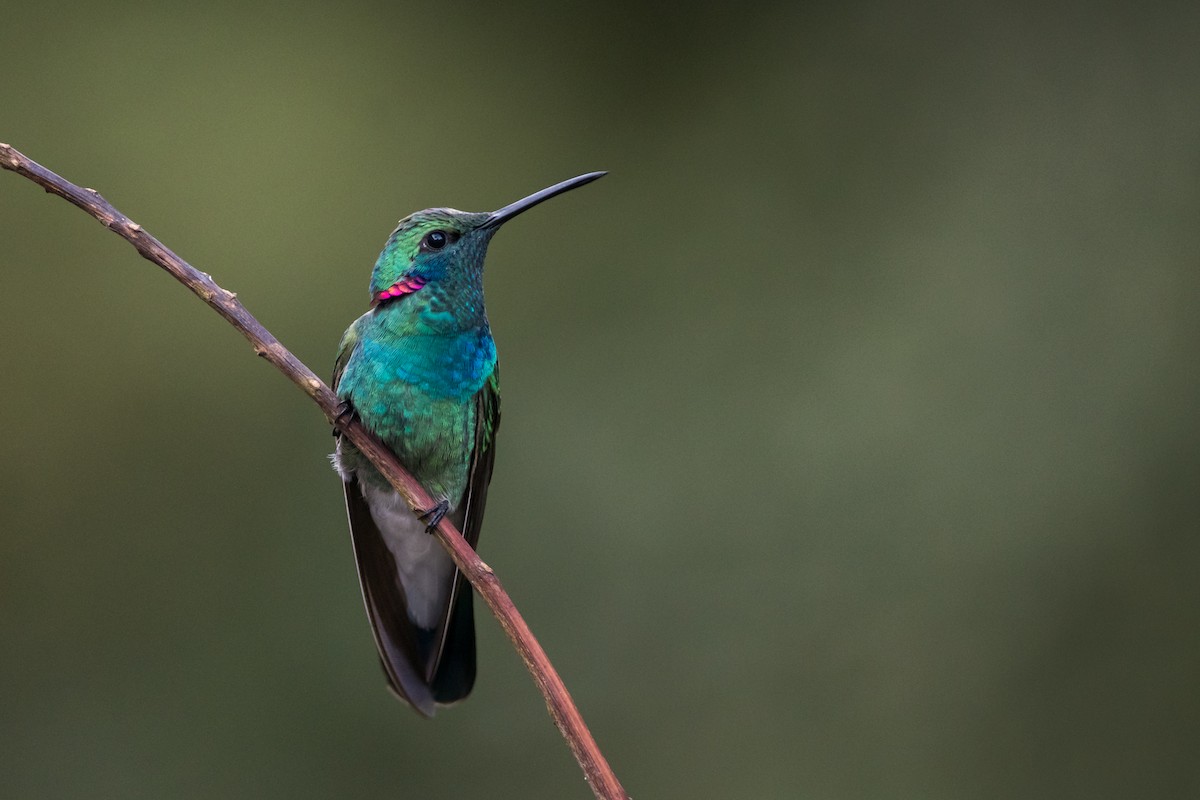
[(419, 370)]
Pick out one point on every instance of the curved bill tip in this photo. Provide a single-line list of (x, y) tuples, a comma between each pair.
[(526, 203)]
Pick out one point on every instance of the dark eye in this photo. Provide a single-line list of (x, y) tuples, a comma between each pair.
[(435, 240)]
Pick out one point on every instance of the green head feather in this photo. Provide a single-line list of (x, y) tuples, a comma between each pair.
[(432, 245), (429, 277), (432, 265)]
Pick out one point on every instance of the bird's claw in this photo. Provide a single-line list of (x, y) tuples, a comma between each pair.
[(431, 517), (346, 413)]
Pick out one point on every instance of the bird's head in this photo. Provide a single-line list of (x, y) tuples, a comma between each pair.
[(444, 245)]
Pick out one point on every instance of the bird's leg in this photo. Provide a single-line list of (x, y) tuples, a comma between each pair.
[(346, 413), (431, 517)]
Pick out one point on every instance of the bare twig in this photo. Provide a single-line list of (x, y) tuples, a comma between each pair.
[(562, 709)]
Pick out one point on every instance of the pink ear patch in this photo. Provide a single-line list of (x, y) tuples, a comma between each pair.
[(406, 285)]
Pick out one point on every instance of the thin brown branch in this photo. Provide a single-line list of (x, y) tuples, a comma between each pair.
[(562, 709)]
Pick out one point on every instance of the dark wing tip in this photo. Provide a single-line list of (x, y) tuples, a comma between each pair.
[(396, 638)]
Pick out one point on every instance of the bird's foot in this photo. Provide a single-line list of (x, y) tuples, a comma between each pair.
[(431, 517), (346, 413)]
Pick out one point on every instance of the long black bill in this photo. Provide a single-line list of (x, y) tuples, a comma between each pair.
[(512, 209)]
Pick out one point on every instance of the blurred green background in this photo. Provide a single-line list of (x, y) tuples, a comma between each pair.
[(850, 443)]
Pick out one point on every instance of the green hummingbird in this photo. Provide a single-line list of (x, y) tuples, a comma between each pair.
[(419, 370)]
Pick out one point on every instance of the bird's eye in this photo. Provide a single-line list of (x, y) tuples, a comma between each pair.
[(435, 240)]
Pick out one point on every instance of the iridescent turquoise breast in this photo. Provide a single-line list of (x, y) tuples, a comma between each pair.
[(417, 393)]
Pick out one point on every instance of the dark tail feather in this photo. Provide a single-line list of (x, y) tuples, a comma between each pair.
[(456, 671)]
